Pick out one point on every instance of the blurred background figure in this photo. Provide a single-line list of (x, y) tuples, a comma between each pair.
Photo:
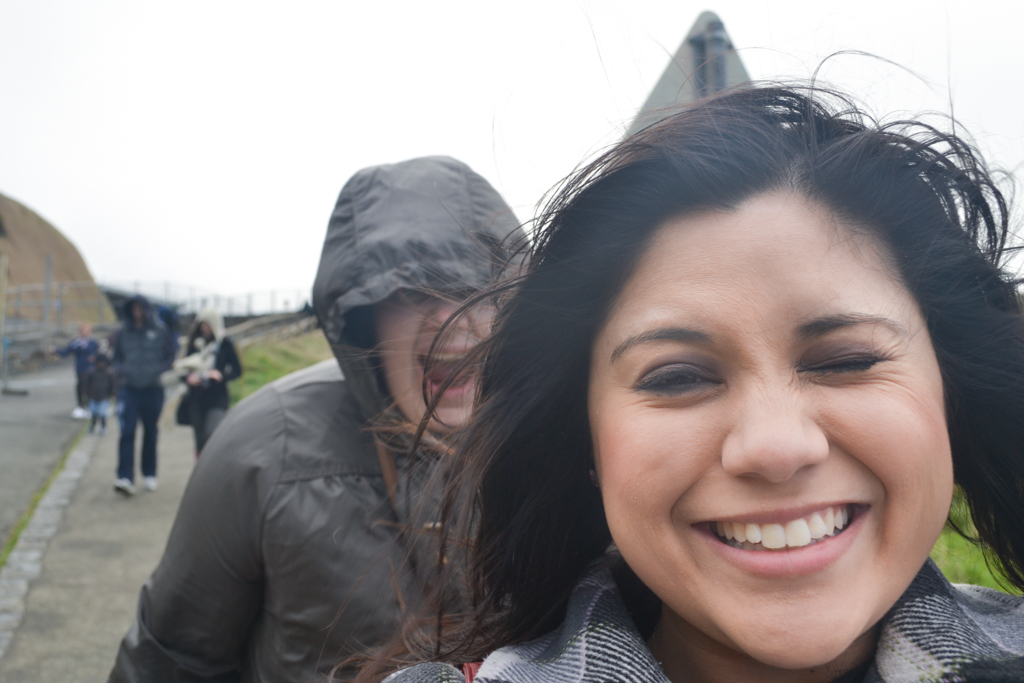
[(143, 350), (210, 362), (85, 348), (100, 386)]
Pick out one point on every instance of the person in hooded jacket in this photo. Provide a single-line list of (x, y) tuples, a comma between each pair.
[(304, 534), (143, 350), (210, 362)]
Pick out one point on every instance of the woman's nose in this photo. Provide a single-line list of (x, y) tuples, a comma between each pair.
[(440, 312), (445, 310), (773, 438)]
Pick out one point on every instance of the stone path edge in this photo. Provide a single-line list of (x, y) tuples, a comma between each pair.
[(19, 526), (25, 561)]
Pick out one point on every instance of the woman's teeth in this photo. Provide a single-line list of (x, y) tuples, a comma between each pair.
[(442, 366), (447, 357), (793, 534)]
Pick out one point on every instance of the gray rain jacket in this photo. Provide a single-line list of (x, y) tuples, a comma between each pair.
[(287, 554)]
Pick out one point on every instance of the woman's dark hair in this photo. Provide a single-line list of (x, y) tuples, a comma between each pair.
[(530, 518)]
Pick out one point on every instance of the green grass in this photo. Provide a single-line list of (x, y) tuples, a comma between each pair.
[(263, 362), (962, 561)]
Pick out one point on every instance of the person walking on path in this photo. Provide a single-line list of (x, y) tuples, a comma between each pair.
[(85, 347), (142, 351), (100, 385), (210, 362), (305, 531)]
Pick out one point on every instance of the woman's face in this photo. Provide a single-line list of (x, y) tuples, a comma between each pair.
[(763, 373), (405, 327)]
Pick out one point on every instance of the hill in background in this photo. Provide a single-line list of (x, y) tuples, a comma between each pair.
[(27, 238)]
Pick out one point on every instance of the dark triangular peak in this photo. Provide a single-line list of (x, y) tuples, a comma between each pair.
[(705, 63)]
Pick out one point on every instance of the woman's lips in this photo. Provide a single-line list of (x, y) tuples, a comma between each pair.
[(441, 370), (801, 545)]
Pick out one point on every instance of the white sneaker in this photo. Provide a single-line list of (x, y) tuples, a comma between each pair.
[(149, 483), (124, 486), (79, 413)]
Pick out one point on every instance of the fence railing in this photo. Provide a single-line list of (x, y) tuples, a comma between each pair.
[(189, 299), (38, 316)]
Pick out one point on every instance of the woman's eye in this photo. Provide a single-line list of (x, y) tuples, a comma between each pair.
[(844, 364), (675, 379)]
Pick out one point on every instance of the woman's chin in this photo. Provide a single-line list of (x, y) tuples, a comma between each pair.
[(448, 417), (806, 644), (801, 654)]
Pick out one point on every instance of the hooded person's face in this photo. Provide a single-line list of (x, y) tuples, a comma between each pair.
[(138, 314), (405, 327)]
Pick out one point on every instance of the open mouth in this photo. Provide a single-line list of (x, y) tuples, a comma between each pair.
[(814, 528), (447, 371)]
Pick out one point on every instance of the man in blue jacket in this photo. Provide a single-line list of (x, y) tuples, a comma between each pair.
[(143, 349), (85, 348)]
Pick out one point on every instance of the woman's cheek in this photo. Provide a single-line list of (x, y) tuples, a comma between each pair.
[(646, 465)]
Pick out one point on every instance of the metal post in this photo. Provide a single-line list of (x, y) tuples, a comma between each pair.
[(5, 343), (47, 301), (60, 306), (3, 311), (273, 301), (248, 304)]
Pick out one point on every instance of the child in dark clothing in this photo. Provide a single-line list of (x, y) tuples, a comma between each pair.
[(99, 387)]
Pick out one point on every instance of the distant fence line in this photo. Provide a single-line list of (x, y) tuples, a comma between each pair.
[(76, 302), (189, 299), (57, 301), (40, 314)]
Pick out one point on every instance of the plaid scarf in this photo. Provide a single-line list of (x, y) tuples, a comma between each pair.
[(935, 633)]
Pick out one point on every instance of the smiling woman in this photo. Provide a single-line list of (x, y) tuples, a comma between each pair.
[(803, 389), (722, 415)]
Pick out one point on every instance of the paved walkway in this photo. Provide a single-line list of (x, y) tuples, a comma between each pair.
[(35, 431), (83, 598)]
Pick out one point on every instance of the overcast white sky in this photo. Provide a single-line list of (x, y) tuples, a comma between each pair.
[(204, 143)]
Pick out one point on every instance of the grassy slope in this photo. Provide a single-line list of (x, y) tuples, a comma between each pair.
[(962, 562), (264, 362)]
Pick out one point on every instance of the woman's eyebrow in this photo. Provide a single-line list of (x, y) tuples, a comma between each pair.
[(659, 334), (822, 326)]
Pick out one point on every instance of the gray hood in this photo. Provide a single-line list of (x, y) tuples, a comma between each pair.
[(428, 224)]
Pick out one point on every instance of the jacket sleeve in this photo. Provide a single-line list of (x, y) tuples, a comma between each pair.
[(65, 350), (117, 353), (227, 360), (168, 339), (196, 612)]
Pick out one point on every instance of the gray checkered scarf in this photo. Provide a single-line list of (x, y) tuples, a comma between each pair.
[(935, 633)]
